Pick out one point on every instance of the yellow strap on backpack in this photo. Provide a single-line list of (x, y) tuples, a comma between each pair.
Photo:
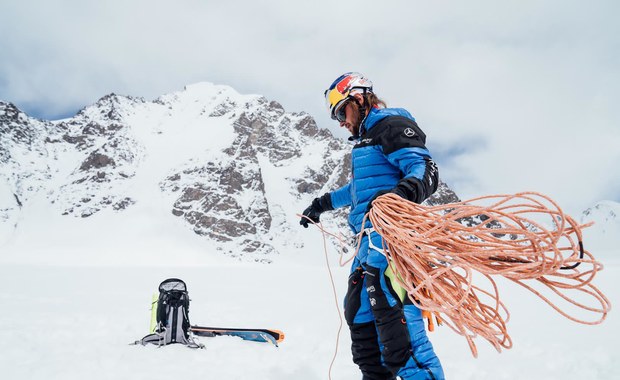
[(153, 325)]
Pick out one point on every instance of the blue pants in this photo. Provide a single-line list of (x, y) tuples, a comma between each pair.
[(387, 333)]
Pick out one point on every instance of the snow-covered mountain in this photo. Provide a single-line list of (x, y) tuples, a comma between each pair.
[(235, 168), (604, 235), (97, 209)]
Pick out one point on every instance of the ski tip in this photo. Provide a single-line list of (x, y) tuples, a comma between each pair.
[(280, 335)]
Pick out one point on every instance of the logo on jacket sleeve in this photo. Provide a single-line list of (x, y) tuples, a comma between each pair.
[(365, 141), (409, 132)]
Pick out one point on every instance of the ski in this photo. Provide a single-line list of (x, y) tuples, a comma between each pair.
[(255, 335)]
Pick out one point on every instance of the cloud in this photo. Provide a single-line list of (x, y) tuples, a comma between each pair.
[(523, 90)]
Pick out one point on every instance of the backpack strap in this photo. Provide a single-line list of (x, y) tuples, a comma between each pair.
[(158, 338)]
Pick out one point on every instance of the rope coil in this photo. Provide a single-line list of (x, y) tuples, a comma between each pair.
[(437, 250)]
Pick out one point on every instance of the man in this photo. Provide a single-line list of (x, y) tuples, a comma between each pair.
[(387, 331)]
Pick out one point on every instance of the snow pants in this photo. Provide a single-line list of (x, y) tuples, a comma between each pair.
[(387, 331)]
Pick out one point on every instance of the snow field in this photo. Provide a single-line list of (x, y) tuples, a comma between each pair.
[(75, 322)]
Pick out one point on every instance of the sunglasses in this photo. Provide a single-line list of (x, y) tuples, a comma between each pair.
[(340, 114)]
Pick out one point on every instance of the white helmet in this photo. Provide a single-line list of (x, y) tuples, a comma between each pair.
[(344, 88)]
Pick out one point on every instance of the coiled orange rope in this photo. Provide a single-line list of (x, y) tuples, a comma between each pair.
[(526, 238)]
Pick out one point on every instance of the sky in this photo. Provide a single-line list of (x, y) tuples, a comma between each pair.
[(513, 95)]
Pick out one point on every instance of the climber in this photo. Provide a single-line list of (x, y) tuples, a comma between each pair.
[(387, 331)]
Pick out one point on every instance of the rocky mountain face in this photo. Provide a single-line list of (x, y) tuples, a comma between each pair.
[(233, 168)]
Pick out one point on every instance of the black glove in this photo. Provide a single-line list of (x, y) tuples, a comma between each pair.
[(314, 211), (410, 189)]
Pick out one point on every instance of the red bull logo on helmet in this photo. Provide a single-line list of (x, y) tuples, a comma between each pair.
[(344, 85)]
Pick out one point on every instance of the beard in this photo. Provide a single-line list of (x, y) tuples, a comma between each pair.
[(354, 125)]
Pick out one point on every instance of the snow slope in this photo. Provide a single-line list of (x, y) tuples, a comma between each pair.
[(74, 322), (73, 319)]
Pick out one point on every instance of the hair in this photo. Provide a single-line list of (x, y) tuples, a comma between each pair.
[(373, 100)]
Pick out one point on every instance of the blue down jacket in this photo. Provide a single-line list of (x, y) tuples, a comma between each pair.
[(390, 152)]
